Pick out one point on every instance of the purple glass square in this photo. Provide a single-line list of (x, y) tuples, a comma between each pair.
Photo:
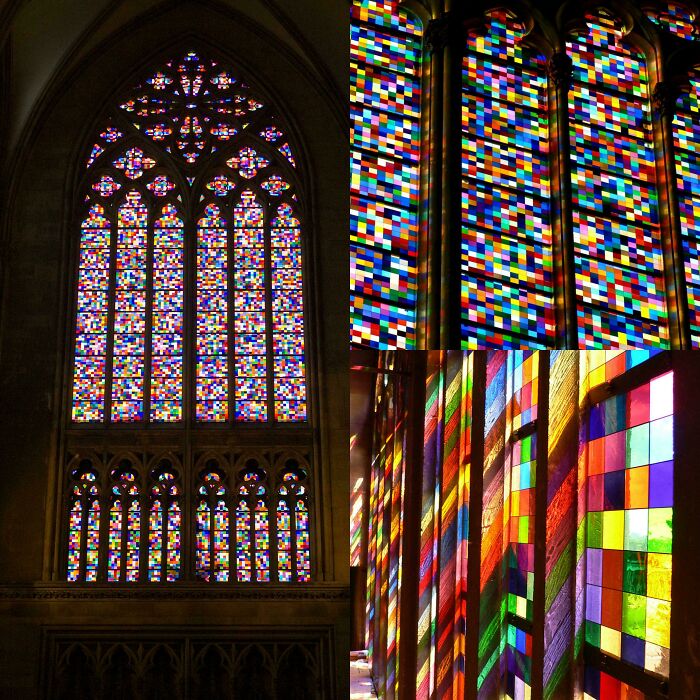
[(593, 603), (661, 485)]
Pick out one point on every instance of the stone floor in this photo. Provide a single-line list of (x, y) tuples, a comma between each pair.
[(361, 686)]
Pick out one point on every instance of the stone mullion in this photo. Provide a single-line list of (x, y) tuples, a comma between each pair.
[(560, 78), (664, 100), (430, 247), (446, 39), (144, 535)]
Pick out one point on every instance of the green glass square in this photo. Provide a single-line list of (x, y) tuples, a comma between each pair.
[(634, 572), (594, 529), (526, 449), (636, 529), (511, 636), (634, 614), (523, 526), (593, 633), (512, 603), (660, 529), (637, 446)]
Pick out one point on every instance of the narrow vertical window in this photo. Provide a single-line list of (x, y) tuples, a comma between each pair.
[(385, 94), (293, 539), (619, 283), (519, 516), (124, 526), (507, 282), (89, 373), (83, 525), (686, 138), (129, 344), (250, 311), (164, 526), (287, 316), (167, 319), (212, 338), (212, 529), (629, 530)]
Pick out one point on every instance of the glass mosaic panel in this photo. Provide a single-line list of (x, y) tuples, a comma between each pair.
[(677, 18), (686, 138), (89, 372), (303, 564), (167, 320), (619, 286), (262, 542), (243, 542), (284, 541), (629, 525), (128, 362), (212, 317), (287, 322), (519, 482), (385, 57), (250, 311), (506, 251)]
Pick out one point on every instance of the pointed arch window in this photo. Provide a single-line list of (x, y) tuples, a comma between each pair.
[(190, 144), (189, 321), (83, 524), (164, 526)]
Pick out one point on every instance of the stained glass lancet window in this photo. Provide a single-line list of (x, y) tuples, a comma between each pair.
[(522, 391), (507, 283), (165, 527), (619, 285), (293, 533), (385, 94), (83, 524), (686, 137), (629, 506), (190, 144)]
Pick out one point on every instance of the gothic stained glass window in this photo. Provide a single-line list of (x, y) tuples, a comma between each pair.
[(619, 284), (189, 312), (293, 527), (123, 554), (629, 531), (83, 525), (164, 528), (212, 529), (385, 94), (507, 282), (191, 132)]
